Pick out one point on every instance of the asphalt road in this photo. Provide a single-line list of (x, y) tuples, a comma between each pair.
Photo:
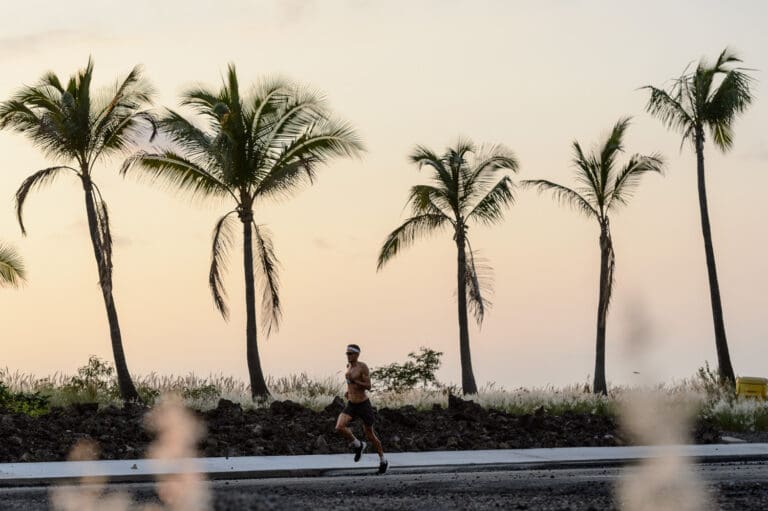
[(727, 486)]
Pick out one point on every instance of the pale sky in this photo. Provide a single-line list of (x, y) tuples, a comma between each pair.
[(532, 75)]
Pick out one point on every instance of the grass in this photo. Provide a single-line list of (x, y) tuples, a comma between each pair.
[(95, 382)]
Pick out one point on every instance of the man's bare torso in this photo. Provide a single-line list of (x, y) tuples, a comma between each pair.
[(356, 372)]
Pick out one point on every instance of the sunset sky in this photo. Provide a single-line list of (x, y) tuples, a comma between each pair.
[(532, 75)]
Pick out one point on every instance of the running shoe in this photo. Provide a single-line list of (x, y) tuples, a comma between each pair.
[(383, 466), (359, 451)]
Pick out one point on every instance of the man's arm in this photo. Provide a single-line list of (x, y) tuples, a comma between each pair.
[(365, 378)]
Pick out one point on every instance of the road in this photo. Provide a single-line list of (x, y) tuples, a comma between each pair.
[(727, 486)]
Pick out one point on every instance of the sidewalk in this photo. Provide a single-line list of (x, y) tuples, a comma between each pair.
[(21, 474)]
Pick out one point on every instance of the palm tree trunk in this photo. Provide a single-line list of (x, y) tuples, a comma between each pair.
[(258, 384), (127, 389), (468, 385), (721, 342), (606, 279)]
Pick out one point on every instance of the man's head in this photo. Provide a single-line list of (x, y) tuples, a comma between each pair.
[(353, 352)]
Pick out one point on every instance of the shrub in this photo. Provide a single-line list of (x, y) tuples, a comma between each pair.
[(18, 402), (94, 382), (407, 376), (204, 392)]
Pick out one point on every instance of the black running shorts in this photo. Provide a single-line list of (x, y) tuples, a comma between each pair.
[(362, 411)]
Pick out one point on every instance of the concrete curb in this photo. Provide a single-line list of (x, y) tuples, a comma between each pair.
[(250, 467)]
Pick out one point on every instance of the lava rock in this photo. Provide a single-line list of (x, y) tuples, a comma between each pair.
[(335, 407)]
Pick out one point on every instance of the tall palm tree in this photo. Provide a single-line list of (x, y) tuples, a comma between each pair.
[(602, 189), (11, 267), (80, 129), (710, 97), (466, 187), (251, 149)]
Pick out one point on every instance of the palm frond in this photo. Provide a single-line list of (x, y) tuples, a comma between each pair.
[(121, 132), (587, 174), (125, 99), (669, 108), (223, 238), (39, 116), (490, 209), (458, 153), (563, 195), (722, 135), (492, 159), (104, 240), (12, 272), (423, 156), (195, 143), (298, 116), (613, 145), (33, 182), (429, 199), (611, 272), (268, 96), (204, 101), (479, 278), (268, 263), (727, 56), (406, 234), (731, 98), (296, 162), (482, 172), (629, 177), (68, 123), (694, 100), (177, 172)]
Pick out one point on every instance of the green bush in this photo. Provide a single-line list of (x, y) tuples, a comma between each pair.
[(200, 393), (16, 402), (709, 382), (95, 382), (420, 370), (147, 394)]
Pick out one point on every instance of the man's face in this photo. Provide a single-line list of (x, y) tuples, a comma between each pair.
[(352, 356)]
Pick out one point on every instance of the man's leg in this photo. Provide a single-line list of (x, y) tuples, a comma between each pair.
[(342, 427), (371, 434)]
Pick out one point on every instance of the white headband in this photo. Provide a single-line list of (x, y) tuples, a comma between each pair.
[(352, 349)]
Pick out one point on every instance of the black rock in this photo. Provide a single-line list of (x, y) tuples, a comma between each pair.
[(85, 408), (287, 407), (335, 407)]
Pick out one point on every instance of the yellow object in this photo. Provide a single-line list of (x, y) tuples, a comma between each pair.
[(752, 387)]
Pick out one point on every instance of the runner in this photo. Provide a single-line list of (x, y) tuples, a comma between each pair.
[(359, 406)]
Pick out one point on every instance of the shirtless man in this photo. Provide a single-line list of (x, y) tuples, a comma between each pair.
[(358, 405)]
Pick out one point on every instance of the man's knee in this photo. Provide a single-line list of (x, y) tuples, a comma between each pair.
[(341, 426)]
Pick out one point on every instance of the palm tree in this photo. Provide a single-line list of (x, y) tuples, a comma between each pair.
[(80, 130), (466, 188), (11, 267), (253, 148), (710, 97), (602, 190)]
